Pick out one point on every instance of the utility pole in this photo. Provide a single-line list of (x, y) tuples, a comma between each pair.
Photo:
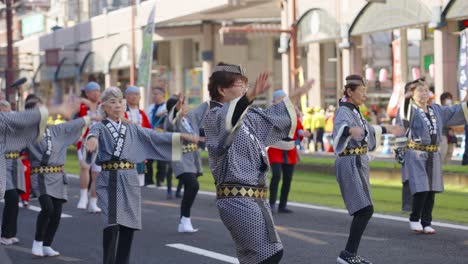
[(9, 71), (132, 49), (293, 46)]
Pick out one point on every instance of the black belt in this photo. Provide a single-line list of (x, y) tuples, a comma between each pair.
[(232, 191), (117, 165), (12, 155)]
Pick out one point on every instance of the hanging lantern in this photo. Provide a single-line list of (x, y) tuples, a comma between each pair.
[(369, 74), (432, 71), (416, 73), (383, 75)]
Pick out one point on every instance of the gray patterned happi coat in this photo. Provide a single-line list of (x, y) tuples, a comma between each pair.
[(191, 161), (15, 175), (139, 144), (236, 137), (352, 172), (62, 136), (17, 130), (422, 169)]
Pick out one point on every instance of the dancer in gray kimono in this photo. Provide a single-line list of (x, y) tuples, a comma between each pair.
[(353, 137), (423, 164), (117, 147), (236, 137), (189, 167), (15, 184), (48, 179), (19, 129)]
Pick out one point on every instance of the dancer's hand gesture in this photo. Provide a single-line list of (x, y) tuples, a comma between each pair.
[(261, 85), (91, 144)]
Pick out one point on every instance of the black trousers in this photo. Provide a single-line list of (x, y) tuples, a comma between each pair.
[(423, 203), (191, 186), (48, 219), (318, 134), (164, 171), (287, 170), (358, 225), (275, 259), (10, 214), (117, 243), (149, 173)]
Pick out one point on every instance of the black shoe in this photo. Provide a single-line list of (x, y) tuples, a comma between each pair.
[(348, 258), (284, 210), (363, 260)]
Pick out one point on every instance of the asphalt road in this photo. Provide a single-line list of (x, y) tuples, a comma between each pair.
[(309, 235)]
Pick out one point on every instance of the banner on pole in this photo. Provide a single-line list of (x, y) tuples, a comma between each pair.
[(146, 59), (463, 65)]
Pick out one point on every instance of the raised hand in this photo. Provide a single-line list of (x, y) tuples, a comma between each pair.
[(261, 85), (91, 144), (295, 95), (180, 101)]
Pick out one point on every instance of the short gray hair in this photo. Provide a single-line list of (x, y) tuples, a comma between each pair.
[(109, 93), (5, 103)]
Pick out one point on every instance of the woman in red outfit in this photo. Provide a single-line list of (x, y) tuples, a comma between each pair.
[(283, 157)]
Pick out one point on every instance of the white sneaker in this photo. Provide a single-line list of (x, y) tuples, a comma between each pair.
[(37, 249), (14, 240), (416, 227), (185, 225), (92, 206), (6, 241), (429, 230), (50, 252)]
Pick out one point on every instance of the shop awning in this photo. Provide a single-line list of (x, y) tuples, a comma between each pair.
[(316, 25), (456, 9), (377, 17)]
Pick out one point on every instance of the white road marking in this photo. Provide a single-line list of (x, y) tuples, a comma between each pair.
[(206, 253), (37, 209)]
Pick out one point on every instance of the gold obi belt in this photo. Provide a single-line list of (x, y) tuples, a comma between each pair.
[(47, 169), (12, 155), (232, 191), (117, 165), (421, 147), (354, 151), (189, 148)]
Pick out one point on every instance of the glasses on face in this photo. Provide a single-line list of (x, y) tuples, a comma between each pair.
[(242, 85)]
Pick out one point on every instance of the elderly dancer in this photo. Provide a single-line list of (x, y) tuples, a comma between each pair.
[(117, 146), (423, 164), (236, 137), (353, 137)]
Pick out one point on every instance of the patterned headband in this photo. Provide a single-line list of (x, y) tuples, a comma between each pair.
[(230, 68)]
